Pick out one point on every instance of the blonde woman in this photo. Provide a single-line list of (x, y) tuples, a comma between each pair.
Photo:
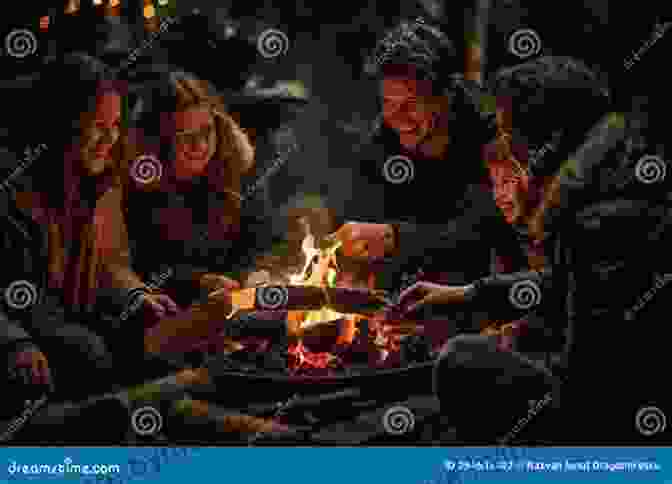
[(191, 226)]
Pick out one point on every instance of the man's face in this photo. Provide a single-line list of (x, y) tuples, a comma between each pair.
[(101, 131), (410, 109)]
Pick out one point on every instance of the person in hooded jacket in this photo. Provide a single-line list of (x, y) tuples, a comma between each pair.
[(602, 293)]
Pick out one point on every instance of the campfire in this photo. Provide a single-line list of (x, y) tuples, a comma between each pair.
[(321, 318), (326, 340)]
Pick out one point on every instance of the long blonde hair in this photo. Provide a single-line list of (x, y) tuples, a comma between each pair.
[(179, 91)]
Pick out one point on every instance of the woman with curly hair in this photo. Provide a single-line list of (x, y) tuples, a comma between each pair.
[(191, 226)]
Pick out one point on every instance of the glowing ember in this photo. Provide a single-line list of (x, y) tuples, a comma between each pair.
[(300, 358)]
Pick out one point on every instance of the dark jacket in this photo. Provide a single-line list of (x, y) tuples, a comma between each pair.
[(606, 290), (445, 214), (23, 252), (194, 251)]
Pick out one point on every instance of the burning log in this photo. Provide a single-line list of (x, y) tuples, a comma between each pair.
[(310, 298)]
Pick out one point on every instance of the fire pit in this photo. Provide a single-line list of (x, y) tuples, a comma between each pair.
[(308, 332)]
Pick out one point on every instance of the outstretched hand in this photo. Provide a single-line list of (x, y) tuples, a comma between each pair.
[(430, 293)]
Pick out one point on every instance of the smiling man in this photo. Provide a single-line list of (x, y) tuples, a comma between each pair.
[(427, 145)]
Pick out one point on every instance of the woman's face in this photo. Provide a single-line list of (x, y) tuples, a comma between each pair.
[(409, 109), (100, 132), (195, 141)]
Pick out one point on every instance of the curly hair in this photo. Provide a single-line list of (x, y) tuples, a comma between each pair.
[(418, 44), (542, 96), (176, 91)]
